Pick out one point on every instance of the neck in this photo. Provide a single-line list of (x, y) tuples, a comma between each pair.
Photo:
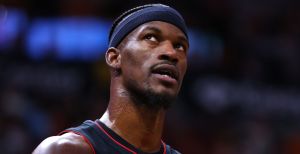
[(139, 125)]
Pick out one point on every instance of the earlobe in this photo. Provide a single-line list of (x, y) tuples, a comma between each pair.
[(113, 58)]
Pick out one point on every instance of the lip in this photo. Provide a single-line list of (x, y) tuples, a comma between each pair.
[(166, 67)]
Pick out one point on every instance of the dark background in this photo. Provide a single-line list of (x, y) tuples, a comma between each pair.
[(241, 94)]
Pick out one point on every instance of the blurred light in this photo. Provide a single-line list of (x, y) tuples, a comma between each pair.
[(39, 38), (68, 38), (198, 42), (3, 13), (217, 94), (11, 23), (205, 45)]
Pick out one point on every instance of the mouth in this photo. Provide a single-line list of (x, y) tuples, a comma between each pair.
[(166, 70)]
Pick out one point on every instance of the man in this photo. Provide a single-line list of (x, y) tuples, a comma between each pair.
[(147, 57)]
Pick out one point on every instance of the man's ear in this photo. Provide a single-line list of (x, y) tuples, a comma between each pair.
[(113, 58)]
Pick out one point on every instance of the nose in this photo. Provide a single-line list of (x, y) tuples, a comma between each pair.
[(168, 53)]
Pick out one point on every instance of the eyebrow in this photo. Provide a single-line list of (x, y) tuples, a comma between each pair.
[(157, 30)]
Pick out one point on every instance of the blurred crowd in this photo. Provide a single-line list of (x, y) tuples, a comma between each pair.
[(241, 94)]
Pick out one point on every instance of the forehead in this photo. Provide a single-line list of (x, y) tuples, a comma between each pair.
[(161, 27)]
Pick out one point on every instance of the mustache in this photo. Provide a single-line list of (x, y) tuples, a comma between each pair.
[(163, 63), (168, 66)]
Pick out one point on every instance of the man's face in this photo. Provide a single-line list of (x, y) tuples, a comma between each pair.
[(154, 61)]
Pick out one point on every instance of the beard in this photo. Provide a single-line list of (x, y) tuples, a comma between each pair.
[(146, 96)]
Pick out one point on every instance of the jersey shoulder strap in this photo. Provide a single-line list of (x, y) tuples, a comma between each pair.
[(170, 150), (93, 136)]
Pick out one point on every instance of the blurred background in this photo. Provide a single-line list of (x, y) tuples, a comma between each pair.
[(241, 94)]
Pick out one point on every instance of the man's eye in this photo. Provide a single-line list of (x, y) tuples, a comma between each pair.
[(179, 46), (150, 37)]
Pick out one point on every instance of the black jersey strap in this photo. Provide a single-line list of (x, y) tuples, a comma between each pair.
[(171, 150), (98, 141), (102, 140)]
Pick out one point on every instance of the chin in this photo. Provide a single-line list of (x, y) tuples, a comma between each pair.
[(152, 98), (159, 99), (167, 91), (156, 97)]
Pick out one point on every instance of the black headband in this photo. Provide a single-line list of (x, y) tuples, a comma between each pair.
[(154, 12)]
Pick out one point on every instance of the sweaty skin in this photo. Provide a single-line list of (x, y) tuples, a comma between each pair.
[(139, 95)]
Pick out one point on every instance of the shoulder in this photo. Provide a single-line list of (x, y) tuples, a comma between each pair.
[(170, 150), (173, 151), (65, 144)]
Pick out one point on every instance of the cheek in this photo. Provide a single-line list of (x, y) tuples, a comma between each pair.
[(134, 65), (131, 53), (130, 59), (135, 55), (183, 68)]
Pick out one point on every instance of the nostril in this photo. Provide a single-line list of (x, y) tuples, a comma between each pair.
[(175, 60), (167, 57), (164, 57)]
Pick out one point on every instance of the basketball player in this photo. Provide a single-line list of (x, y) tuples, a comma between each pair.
[(147, 56)]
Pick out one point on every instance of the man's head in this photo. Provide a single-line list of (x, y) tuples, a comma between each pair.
[(148, 54)]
